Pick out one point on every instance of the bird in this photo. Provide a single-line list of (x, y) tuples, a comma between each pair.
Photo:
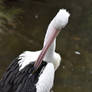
[(34, 71)]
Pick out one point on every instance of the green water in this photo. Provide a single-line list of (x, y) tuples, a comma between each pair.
[(75, 71)]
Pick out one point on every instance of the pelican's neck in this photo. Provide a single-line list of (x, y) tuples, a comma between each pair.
[(51, 50)]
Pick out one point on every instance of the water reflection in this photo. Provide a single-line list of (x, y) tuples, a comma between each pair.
[(75, 72)]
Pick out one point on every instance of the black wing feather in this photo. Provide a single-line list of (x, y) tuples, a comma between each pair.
[(14, 80)]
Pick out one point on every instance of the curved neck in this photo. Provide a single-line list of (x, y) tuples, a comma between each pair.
[(51, 50)]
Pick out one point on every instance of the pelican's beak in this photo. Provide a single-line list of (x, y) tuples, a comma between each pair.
[(45, 48)]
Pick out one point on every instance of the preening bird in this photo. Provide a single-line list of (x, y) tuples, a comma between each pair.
[(34, 71)]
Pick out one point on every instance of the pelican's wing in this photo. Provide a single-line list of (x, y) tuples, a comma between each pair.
[(9, 76), (17, 73), (45, 81)]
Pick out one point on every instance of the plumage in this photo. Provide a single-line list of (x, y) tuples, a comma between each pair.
[(28, 57), (21, 81)]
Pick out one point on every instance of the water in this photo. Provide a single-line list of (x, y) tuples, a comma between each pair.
[(75, 71)]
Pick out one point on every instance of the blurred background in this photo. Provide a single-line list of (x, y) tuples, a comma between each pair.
[(23, 25)]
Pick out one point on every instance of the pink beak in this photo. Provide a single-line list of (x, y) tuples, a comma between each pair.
[(45, 49)]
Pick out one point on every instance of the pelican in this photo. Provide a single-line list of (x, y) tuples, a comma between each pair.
[(34, 71)]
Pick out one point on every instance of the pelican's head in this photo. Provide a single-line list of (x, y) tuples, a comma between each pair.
[(60, 20), (54, 28)]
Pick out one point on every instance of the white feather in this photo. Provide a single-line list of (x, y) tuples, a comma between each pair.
[(27, 57), (61, 19), (46, 79)]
